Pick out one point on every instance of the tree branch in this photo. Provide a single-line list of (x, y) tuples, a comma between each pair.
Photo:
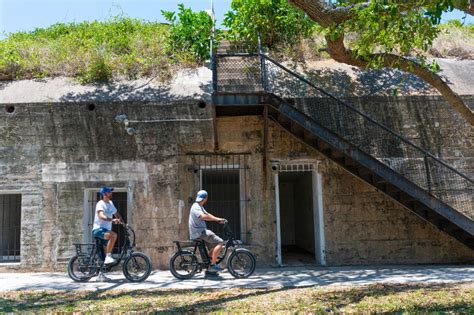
[(328, 15), (338, 52), (323, 13), (469, 9)]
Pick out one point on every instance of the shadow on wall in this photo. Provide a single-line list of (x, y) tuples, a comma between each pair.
[(127, 92), (4, 84), (387, 82), (120, 92)]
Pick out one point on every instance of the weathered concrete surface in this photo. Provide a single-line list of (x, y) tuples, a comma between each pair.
[(187, 84), (60, 142), (337, 78), (53, 153), (364, 226), (343, 80), (425, 121)]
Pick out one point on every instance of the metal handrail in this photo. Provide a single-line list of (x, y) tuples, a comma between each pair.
[(423, 168), (426, 153)]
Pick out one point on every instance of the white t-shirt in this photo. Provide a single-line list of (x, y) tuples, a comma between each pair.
[(109, 210)]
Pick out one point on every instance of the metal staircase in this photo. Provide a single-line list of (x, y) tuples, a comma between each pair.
[(246, 83)]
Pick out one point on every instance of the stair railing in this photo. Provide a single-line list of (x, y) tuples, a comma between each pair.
[(395, 151)]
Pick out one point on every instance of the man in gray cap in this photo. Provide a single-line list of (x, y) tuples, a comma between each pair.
[(198, 228)]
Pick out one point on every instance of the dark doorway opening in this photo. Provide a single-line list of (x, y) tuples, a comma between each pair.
[(297, 218), (120, 201), (223, 186)]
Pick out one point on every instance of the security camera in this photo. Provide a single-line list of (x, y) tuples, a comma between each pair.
[(120, 118), (130, 130), (275, 166)]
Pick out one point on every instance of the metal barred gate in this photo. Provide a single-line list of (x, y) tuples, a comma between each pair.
[(224, 177)]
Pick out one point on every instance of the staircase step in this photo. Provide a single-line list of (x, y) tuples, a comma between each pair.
[(364, 171), (405, 198), (309, 138), (351, 162), (336, 154), (379, 180), (296, 129)]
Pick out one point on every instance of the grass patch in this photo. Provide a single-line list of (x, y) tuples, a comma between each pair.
[(367, 299), (454, 41), (126, 48), (89, 51)]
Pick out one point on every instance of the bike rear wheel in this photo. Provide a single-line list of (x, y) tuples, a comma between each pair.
[(81, 269), (241, 263), (183, 265), (137, 267)]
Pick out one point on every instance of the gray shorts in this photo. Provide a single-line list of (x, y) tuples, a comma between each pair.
[(210, 239)]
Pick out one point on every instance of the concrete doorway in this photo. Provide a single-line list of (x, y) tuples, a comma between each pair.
[(296, 215), (300, 229)]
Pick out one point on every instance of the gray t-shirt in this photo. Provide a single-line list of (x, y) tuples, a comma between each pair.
[(196, 224)]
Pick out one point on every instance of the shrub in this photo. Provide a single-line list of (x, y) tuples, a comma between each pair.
[(276, 21), (190, 34)]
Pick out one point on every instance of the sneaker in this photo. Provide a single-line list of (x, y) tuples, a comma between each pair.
[(215, 268), (109, 260), (102, 278)]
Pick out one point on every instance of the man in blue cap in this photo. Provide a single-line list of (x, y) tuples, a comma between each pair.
[(198, 229), (104, 217)]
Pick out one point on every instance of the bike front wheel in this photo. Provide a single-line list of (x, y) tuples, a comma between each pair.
[(80, 268), (241, 263), (137, 267), (183, 265)]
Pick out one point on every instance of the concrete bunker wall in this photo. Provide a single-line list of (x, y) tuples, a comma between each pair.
[(54, 153)]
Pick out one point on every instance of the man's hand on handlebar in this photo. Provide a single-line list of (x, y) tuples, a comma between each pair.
[(221, 221), (116, 221)]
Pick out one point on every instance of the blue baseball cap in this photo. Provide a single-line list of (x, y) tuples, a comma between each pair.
[(104, 190), (201, 195)]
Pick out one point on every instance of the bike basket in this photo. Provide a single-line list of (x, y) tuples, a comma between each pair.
[(84, 249)]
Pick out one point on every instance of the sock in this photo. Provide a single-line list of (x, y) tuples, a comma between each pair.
[(109, 255)]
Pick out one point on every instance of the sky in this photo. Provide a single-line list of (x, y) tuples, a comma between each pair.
[(26, 15)]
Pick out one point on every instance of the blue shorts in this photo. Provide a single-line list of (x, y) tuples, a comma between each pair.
[(99, 233)]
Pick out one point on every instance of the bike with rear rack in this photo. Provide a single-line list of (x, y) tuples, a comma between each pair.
[(89, 260), (185, 263)]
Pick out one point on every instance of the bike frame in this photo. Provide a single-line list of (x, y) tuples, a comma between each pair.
[(128, 245), (229, 244), (96, 257)]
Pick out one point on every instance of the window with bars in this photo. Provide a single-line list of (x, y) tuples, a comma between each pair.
[(10, 222)]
